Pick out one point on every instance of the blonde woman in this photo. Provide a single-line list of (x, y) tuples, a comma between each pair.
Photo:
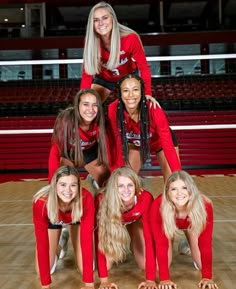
[(182, 207), (111, 50), (123, 225), (62, 203)]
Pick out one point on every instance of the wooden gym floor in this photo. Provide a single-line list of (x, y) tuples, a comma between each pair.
[(17, 243)]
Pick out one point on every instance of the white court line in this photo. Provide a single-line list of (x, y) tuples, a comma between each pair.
[(5, 201), (221, 196), (174, 127), (224, 221), (7, 225), (149, 58), (15, 225)]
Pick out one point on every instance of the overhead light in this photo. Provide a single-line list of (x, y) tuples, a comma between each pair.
[(21, 8), (6, 20)]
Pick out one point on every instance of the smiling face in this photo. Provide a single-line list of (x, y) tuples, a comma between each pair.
[(88, 107), (179, 194), (130, 93), (102, 20), (67, 189), (126, 190)]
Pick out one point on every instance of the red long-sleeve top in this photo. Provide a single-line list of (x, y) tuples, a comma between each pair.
[(41, 221), (132, 56), (160, 136), (87, 140), (139, 211), (162, 243)]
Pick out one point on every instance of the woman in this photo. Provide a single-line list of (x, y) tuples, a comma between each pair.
[(111, 50), (79, 137), (123, 222), (62, 203), (182, 207), (138, 129)]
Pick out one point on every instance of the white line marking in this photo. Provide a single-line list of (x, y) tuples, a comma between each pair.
[(174, 127), (7, 225)]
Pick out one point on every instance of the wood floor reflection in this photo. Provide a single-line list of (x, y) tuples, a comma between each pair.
[(17, 241)]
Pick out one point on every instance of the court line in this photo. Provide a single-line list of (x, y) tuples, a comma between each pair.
[(15, 225), (174, 127)]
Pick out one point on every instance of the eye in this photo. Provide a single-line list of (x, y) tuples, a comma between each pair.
[(62, 184), (120, 186), (74, 185)]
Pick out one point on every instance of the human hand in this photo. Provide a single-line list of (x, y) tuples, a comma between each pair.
[(207, 283), (46, 287), (153, 101), (166, 284), (148, 284), (107, 285), (66, 162), (88, 286)]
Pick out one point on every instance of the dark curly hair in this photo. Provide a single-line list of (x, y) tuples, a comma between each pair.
[(144, 121)]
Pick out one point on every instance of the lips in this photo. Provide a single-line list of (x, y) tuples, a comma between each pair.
[(67, 196)]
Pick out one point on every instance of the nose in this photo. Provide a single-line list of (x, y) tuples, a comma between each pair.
[(126, 188), (101, 22), (90, 108), (130, 94)]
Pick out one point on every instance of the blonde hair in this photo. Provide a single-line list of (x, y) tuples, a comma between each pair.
[(92, 51), (114, 239), (49, 194), (195, 208)]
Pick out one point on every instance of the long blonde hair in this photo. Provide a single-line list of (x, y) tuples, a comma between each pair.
[(114, 239), (49, 194), (92, 51), (195, 208)]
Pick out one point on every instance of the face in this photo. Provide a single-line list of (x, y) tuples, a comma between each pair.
[(67, 188), (131, 93), (179, 194), (126, 189), (102, 20), (88, 107)]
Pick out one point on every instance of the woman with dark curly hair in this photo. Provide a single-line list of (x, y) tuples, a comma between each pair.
[(136, 129)]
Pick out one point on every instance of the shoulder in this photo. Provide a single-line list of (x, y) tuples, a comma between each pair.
[(113, 106), (154, 109), (98, 199), (131, 38), (155, 113), (157, 201), (86, 196), (155, 210), (40, 206), (208, 204), (145, 195)]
